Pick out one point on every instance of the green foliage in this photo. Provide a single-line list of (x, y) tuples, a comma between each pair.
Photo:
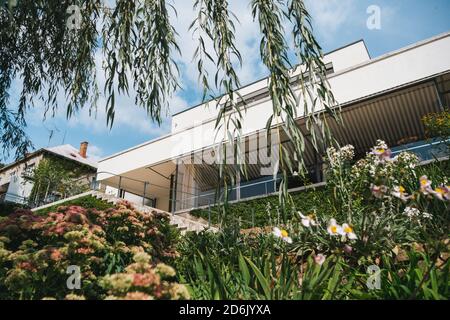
[(379, 212), (260, 267), (262, 211), (419, 275), (88, 202), (56, 176), (437, 124), (36, 250)]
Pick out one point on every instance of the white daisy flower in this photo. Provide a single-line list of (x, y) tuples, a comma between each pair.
[(281, 233), (442, 193), (348, 231), (334, 229), (425, 185), (308, 220), (400, 192)]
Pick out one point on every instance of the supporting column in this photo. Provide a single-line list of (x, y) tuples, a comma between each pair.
[(145, 190), (238, 185), (120, 194), (174, 186)]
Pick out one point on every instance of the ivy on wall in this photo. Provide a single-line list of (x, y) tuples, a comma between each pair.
[(57, 178)]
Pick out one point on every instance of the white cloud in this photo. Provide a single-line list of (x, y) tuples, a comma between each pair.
[(247, 40), (95, 153), (330, 15)]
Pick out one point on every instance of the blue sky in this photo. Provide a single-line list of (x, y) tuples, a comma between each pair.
[(336, 23)]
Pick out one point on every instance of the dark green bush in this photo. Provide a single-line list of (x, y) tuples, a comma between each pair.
[(9, 207), (254, 212), (88, 202)]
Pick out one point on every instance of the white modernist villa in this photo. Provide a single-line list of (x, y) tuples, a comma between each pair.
[(380, 98)]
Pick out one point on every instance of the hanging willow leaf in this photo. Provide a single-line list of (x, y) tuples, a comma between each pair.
[(274, 53), (38, 49), (216, 22), (137, 43)]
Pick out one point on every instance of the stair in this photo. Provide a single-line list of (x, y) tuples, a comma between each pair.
[(183, 222)]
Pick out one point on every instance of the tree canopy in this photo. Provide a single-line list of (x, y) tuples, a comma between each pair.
[(50, 46)]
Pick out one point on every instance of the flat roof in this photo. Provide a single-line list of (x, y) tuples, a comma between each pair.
[(371, 61), (267, 77)]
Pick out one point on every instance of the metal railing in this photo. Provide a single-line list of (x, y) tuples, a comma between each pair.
[(140, 188), (83, 184), (11, 197), (236, 193)]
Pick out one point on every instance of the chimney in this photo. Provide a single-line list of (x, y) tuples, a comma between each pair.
[(83, 149)]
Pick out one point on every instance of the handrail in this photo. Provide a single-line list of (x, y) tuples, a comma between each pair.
[(118, 175), (141, 181)]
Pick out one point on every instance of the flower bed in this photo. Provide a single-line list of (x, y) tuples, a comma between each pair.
[(381, 231), (38, 252)]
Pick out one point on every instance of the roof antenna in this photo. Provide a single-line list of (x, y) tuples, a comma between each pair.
[(50, 136), (64, 137)]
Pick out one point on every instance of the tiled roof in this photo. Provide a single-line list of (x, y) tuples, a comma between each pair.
[(70, 152)]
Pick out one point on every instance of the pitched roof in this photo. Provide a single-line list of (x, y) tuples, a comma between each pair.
[(70, 152)]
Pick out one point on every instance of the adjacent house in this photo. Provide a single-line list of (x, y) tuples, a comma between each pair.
[(380, 98), (16, 185)]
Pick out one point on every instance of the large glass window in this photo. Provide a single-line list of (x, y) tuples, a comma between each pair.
[(425, 149), (257, 187)]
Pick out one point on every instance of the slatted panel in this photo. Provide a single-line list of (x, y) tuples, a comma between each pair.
[(391, 118), (395, 117)]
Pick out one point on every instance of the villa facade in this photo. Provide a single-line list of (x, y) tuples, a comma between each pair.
[(16, 185), (380, 98)]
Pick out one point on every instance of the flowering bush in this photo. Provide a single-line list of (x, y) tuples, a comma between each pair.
[(383, 198), (36, 251), (379, 211), (142, 281), (437, 124)]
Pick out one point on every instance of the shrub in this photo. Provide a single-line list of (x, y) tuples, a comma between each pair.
[(437, 124), (36, 250), (255, 213), (87, 202), (142, 281)]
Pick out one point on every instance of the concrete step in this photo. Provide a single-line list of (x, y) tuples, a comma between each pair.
[(191, 217)]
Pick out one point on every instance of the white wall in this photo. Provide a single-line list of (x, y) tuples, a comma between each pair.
[(404, 66), (18, 186), (341, 59)]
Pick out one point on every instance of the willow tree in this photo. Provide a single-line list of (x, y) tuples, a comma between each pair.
[(41, 49)]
